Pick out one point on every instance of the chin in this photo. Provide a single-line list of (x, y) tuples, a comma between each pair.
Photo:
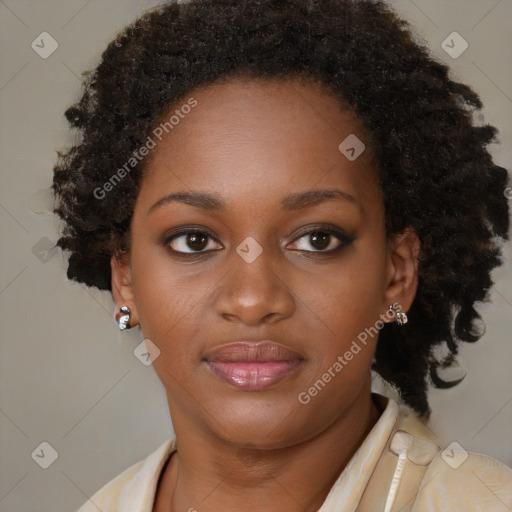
[(262, 422)]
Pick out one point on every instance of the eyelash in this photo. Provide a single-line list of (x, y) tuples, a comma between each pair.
[(329, 230)]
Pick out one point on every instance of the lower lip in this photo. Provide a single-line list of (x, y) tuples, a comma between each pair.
[(253, 376)]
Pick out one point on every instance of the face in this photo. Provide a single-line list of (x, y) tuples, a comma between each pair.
[(274, 235)]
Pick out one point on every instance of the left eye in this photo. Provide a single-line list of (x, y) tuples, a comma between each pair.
[(322, 240)]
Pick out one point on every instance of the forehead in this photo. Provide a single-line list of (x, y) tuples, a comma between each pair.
[(259, 137)]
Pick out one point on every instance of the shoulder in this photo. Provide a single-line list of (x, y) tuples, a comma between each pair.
[(135, 486), (107, 498), (460, 480), (453, 478)]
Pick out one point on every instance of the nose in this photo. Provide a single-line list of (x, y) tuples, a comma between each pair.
[(254, 293)]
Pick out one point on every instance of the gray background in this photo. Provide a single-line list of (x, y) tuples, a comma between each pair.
[(68, 376)]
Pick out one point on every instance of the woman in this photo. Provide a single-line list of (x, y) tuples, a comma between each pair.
[(283, 196)]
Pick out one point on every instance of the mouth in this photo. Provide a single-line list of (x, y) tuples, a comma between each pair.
[(253, 366)]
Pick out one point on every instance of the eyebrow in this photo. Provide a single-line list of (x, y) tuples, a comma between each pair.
[(296, 201)]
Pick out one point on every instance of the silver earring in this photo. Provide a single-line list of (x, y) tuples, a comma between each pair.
[(123, 318), (400, 316)]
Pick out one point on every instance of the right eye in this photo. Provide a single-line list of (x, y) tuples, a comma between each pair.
[(189, 241)]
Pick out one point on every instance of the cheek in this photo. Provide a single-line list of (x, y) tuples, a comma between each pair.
[(347, 314), (351, 297), (166, 303), (346, 309)]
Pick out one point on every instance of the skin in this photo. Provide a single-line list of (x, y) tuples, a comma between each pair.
[(252, 143)]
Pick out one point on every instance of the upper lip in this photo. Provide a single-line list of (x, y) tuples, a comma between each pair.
[(251, 351)]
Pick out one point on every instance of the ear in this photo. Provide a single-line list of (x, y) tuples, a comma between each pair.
[(122, 287), (402, 280)]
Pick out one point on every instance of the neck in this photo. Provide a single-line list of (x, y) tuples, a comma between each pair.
[(208, 475)]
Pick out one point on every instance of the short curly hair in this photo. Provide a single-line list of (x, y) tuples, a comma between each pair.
[(434, 169)]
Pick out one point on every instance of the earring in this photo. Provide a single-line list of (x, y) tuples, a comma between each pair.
[(123, 318), (400, 316)]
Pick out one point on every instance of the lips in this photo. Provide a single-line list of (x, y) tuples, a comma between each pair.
[(251, 366)]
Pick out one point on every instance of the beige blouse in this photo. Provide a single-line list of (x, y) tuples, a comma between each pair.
[(399, 467)]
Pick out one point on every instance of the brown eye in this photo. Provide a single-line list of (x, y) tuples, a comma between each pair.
[(322, 240), (190, 242), (196, 241)]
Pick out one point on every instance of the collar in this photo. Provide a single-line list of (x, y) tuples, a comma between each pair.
[(139, 493)]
